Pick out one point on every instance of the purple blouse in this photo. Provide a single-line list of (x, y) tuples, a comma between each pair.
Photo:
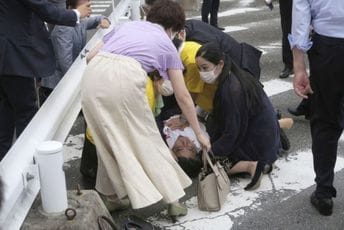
[(146, 42)]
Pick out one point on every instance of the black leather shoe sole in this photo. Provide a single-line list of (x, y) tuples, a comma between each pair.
[(286, 73), (324, 206), (285, 143), (296, 112)]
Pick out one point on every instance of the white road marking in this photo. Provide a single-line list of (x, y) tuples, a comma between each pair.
[(270, 47), (245, 2), (232, 12), (342, 138), (267, 48), (294, 175), (276, 86), (103, 2), (234, 28), (98, 10), (100, 6)]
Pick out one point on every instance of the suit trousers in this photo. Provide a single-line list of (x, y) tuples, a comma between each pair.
[(210, 7), (286, 7), (17, 107), (327, 70)]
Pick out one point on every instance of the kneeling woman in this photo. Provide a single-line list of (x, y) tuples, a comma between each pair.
[(133, 160), (243, 125)]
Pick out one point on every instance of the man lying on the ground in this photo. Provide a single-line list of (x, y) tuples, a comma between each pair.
[(187, 150)]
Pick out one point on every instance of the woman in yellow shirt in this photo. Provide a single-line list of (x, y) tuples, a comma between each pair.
[(201, 92)]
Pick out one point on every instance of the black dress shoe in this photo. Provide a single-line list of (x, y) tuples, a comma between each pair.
[(269, 4), (220, 28), (278, 114), (324, 205), (285, 143), (286, 72), (256, 179), (297, 112)]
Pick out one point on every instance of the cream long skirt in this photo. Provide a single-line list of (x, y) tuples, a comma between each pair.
[(133, 158)]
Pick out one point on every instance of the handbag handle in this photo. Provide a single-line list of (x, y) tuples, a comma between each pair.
[(206, 160)]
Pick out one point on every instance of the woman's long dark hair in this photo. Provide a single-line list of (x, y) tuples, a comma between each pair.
[(251, 87)]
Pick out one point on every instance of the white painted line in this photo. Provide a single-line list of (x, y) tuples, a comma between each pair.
[(102, 2), (294, 175), (234, 28), (245, 2), (270, 47), (98, 10), (94, 15), (273, 45), (100, 6), (342, 137), (276, 86), (233, 12), (238, 11)]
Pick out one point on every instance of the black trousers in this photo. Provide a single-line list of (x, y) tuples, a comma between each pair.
[(210, 7), (286, 7), (17, 107), (327, 70)]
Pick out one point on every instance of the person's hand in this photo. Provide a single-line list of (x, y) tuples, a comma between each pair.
[(104, 23), (84, 10), (301, 83), (175, 123), (204, 141)]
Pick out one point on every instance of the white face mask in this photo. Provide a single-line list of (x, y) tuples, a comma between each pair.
[(209, 76), (165, 88)]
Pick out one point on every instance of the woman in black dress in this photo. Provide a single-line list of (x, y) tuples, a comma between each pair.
[(243, 125)]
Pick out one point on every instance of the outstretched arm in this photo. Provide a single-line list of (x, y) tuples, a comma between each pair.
[(51, 13), (186, 104), (94, 51), (300, 43)]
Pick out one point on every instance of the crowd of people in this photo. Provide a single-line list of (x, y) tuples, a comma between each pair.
[(157, 92)]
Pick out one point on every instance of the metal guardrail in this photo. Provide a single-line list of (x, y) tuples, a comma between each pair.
[(53, 121)]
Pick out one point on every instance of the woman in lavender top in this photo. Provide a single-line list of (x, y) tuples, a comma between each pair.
[(133, 159)]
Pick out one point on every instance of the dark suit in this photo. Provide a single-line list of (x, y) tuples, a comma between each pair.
[(244, 55), (286, 8), (210, 7), (25, 53)]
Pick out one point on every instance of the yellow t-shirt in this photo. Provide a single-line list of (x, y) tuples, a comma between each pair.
[(205, 92), (150, 93)]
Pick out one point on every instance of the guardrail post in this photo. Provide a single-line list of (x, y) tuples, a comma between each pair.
[(52, 178)]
